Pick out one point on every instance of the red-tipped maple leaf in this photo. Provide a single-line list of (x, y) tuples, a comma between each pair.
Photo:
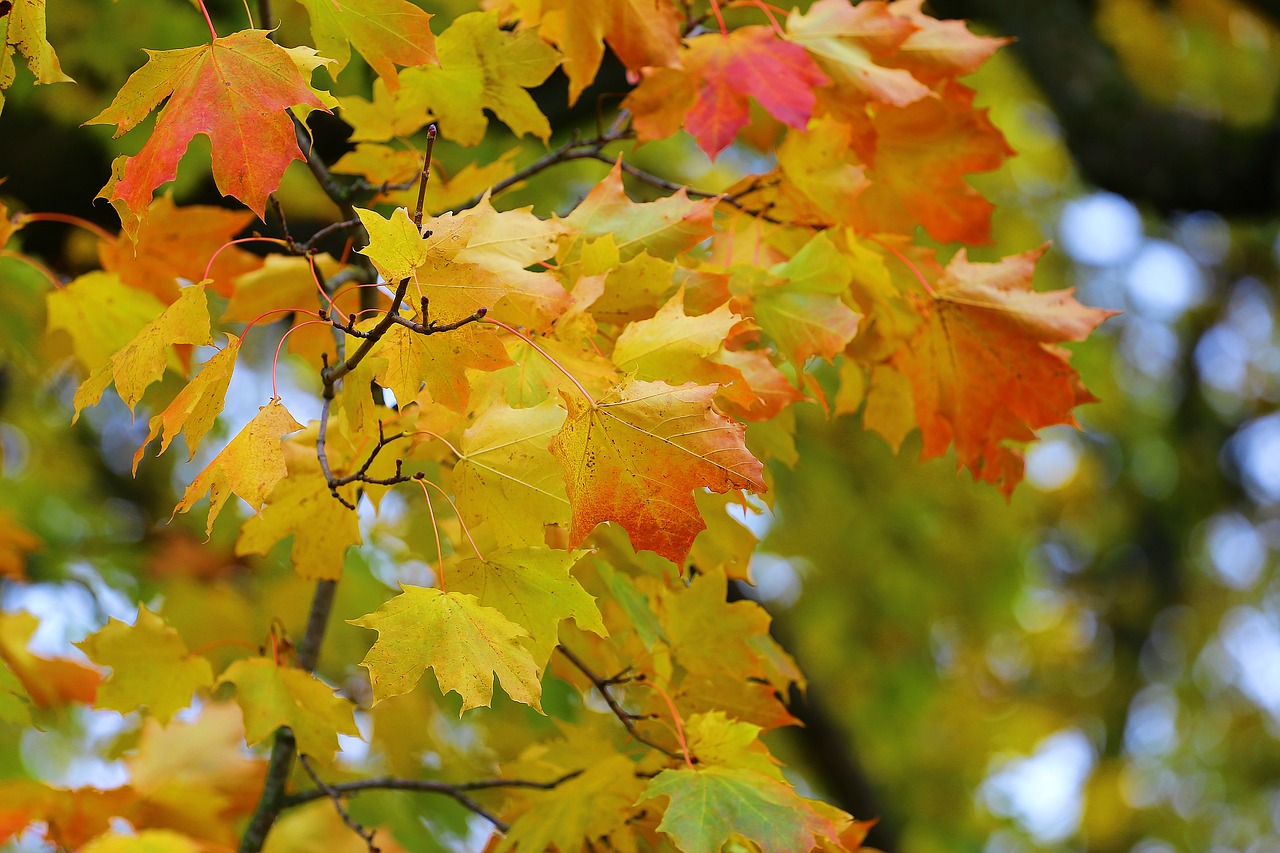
[(708, 95), (235, 91), (636, 458), (984, 367)]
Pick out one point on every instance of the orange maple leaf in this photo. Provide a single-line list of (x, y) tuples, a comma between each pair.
[(636, 457), (984, 367), (235, 91), (708, 94), (178, 242), (922, 153)]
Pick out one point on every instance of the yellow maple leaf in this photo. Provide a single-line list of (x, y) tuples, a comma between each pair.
[(465, 643), (250, 466), (100, 314), (150, 666), (271, 696), (197, 405), (142, 361), (22, 30), (301, 506), (507, 478), (533, 588)]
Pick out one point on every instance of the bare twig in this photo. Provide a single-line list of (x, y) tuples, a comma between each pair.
[(627, 719), (426, 176), (335, 797), (458, 792), (575, 149)]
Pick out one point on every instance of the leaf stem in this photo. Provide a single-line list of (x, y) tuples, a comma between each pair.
[(207, 19), (905, 260), (68, 219)]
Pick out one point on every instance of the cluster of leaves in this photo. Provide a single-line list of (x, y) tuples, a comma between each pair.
[(587, 402)]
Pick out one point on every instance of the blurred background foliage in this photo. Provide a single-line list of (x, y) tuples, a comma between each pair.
[(1093, 666)]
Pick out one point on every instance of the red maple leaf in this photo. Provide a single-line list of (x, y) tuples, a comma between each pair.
[(235, 91)]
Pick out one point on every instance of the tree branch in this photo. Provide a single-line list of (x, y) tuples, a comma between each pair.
[(458, 792), (627, 719), (1165, 158), (284, 748), (585, 149)]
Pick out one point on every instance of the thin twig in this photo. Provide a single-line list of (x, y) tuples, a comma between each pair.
[(627, 719), (457, 791), (426, 176), (585, 149), (336, 798), (309, 246)]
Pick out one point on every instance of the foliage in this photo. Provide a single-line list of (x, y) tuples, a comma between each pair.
[(588, 403)]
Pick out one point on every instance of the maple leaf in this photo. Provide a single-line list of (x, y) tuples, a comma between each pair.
[(302, 506), (636, 456), (706, 807), (642, 33), (22, 30), (984, 367), (271, 696), (671, 344), (939, 49), (590, 806), (195, 775), (801, 309), (458, 280), (150, 666), (922, 153), (142, 361), (386, 32), (196, 406), (46, 682), (173, 243), (249, 466), (439, 361), (708, 94), (821, 166), (664, 228), (235, 91), (506, 477), (482, 67), (100, 315), (466, 644), (849, 43), (533, 588)]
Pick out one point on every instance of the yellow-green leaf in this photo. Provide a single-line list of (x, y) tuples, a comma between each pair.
[(507, 478), (150, 666), (271, 696), (466, 644), (533, 588)]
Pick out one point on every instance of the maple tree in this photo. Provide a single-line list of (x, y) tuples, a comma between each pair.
[(587, 403)]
